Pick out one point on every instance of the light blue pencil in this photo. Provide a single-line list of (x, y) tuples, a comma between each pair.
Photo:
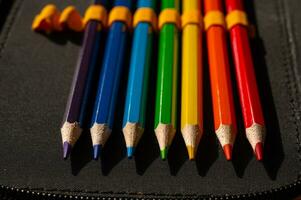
[(135, 106)]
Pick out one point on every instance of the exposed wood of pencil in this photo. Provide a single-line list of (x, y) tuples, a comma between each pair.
[(100, 134), (221, 89), (192, 99), (247, 84), (132, 133)]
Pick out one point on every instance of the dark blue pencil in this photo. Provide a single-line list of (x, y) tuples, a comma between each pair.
[(80, 90), (113, 61)]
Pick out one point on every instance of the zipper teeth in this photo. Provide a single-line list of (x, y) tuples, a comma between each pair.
[(293, 188)]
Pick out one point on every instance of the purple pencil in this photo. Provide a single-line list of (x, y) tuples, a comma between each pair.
[(72, 122)]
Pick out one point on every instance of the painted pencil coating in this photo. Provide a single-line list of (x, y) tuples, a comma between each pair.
[(166, 95), (126, 3), (170, 4), (191, 5), (138, 75), (192, 101), (100, 2), (90, 80), (147, 4), (110, 75), (221, 89), (247, 84), (77, 90)]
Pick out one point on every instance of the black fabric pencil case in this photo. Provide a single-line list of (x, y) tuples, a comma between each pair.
[(35, 76)]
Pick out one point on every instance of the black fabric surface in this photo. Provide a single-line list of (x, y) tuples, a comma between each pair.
[(35, 77)]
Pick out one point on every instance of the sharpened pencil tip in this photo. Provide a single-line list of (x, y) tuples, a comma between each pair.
[(191, 152), (96, 151), (163, 154), (228, 151), (259, 151), (67, 150), (130, 152)]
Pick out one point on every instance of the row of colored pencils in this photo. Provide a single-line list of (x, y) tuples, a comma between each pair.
[(167, 81)]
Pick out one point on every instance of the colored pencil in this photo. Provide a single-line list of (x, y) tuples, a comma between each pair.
[(166, 94), (136, 97), (108, 85), (246, 81), (192, 102), (80, 90), (221, 89)]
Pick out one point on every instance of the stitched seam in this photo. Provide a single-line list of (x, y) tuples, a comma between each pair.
[(88, 194), (8, 25), (107, 195), (290, 64)]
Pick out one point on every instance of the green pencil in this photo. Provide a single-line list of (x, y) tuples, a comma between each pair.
[(166, 94)]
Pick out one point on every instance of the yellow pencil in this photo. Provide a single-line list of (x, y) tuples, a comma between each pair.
[(192, 104)]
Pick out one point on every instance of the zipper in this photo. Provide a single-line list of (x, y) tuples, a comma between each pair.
[(284, 192)]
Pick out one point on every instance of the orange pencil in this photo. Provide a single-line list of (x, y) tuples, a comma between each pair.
[(221, 89)]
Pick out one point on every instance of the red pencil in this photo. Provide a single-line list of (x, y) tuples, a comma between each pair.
[(245, 75)]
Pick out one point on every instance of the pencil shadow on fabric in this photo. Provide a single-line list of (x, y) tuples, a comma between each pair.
[(207, 152), (177, 154), (82, 152), (147, 150), (114, 150), (242, 151), (274, 154), (63, 38), (5, 7)]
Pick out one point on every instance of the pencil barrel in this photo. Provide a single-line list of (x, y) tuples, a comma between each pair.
[(167, 76), (136, 97), (245, 74), (192, 98)]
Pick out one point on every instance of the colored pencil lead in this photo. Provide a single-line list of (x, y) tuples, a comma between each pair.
[(228, 151), (67, 150), (130, 151), (96, 151), (191, 152), (259, 151), (163, 153)]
